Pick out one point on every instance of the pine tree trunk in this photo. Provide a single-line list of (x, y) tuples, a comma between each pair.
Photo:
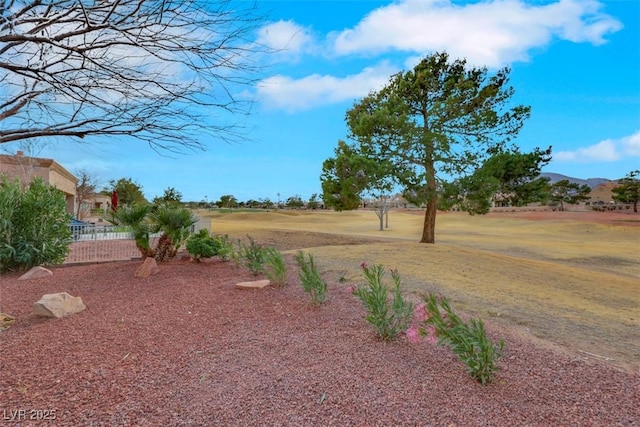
[(429, 226)]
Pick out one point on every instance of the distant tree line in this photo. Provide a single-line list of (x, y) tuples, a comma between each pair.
[(131, 193), (512, 179)]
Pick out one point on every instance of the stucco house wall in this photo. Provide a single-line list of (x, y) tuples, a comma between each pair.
[(26, 168), (94, 207)]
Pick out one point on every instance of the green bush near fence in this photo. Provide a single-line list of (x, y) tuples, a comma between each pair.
[(34, 225), (202, 245)]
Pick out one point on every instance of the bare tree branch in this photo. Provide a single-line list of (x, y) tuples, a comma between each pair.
[(86, 189), (163, 72)]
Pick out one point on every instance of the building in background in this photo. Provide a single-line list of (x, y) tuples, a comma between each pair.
[(94, 208), (26, 168)]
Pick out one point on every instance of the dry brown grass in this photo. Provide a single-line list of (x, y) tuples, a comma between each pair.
[(569, 278)]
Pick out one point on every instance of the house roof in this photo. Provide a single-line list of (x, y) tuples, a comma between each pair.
[(38, 162)]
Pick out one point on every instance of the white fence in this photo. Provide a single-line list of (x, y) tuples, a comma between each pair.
[(106, 243), (102, 244)]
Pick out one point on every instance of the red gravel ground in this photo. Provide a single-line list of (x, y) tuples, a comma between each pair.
[(185, 347)]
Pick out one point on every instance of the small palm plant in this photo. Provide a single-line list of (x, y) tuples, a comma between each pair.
[(175, 222), (135, 217)]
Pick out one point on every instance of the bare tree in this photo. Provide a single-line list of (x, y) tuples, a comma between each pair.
[(85, 189), (150, 69), (24, 154)]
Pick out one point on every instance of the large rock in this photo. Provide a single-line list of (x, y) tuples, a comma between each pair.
[(58, 305), (6, 320), (36, 273), (256, 284), (148, 268)]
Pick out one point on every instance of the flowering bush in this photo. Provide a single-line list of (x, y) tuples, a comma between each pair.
[(34, 225), (419, 328), (389, 315), (274, 267), (468, 341), (310, 279), (251, 256)]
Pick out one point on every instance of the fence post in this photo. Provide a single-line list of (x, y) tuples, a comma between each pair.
[(95, 243)]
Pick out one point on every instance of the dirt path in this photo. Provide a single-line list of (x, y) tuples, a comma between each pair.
[(565, 279)]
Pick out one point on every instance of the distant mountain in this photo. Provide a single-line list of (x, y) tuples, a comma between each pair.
[(591, 182)]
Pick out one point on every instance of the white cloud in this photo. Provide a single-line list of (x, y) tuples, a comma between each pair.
[(286, 93), (630, 145), (489, 32), (492, 32), (609, 150), (285, 36)]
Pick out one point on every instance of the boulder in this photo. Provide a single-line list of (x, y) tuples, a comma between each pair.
[(6, 320), (36, 273), (58, 305), (256, 284), (148, 268)]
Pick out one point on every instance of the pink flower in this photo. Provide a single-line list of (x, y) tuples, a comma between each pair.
[(363, 265), (413, 334), (431, 335), (352, 288), (420, 313)]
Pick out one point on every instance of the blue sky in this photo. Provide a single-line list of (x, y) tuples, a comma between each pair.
[(576, 62)]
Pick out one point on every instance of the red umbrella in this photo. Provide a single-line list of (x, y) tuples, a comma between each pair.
[(114, 201)]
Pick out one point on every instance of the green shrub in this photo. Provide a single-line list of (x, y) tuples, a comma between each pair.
[(225, 247), (251, 256), (202, 245), (274, 267), (34, 225), (468, 341), (389, 315), (310, 279)]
